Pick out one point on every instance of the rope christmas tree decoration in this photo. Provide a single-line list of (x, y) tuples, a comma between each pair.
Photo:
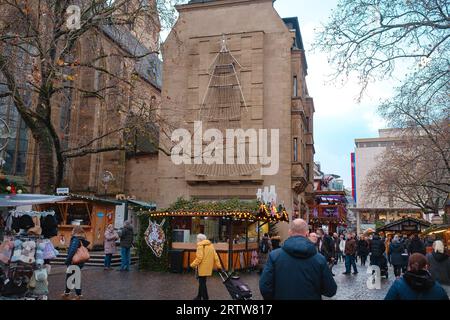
[(221, 109)]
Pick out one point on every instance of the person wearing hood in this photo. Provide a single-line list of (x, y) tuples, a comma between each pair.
[(439, 263), (126, 242), (78, 239), (396, 251), (205, 259), (417, 283), (296, 271)]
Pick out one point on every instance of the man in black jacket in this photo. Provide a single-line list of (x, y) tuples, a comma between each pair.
[(126, 242), (377, 248), (416, 246), (325, 246), (296, 271)]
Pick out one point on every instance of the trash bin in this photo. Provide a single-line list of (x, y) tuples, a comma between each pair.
[(176, 261)]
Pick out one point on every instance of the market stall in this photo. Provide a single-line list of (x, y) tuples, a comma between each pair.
[(407, 226), (440, 232), (233, 227), (26, 248), (329, 210), (91, 213)]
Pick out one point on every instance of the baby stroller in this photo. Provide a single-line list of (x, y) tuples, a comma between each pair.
[(237, 289)]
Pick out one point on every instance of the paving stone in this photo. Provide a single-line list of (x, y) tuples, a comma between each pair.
[(98, 284)]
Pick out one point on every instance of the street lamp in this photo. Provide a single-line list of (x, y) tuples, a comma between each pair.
[(107, 177)]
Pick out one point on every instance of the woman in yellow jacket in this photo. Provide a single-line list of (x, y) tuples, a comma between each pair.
[(205, 258)]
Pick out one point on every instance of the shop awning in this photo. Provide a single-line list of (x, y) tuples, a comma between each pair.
[(143, 204), (14, 200)]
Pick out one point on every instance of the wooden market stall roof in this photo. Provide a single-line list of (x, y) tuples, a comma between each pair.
[(234, 208), (436, 229), (76, 199), (399, 224)]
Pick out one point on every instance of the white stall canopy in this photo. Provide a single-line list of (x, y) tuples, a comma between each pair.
[(14, 200)]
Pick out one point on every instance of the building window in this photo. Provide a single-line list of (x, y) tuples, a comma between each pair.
[(307, 171), (295, 149), (295, 86), (15, 153), (307, 124)]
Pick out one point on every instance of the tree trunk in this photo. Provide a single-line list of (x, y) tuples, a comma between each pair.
[(46, 161), (60, 170)]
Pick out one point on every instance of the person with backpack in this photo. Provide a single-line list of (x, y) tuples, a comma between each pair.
[(78, 239), (265, 247)]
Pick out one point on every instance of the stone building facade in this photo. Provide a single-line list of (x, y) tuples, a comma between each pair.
[(271, 73), (80, 117)]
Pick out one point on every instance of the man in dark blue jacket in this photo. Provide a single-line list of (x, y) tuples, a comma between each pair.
[(296, 271)]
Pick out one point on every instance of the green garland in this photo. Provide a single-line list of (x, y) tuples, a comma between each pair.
[(217, 206), (147, 259)]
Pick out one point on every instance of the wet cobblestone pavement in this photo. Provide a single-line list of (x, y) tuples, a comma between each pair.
[(98, 284)]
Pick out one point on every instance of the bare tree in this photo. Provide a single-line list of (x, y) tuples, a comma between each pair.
[(376, 39), (411, 172), (40, 65)]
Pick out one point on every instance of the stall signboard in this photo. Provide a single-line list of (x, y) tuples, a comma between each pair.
[(409, 227), (331, 212), (62, 191), (120, 216)]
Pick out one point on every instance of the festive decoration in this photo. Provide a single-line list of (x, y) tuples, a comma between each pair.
[(147, 259), (9, 187), (231, 209), (155, 237)]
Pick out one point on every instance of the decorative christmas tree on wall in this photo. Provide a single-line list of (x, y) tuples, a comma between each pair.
[(221, 108), (223, 97)]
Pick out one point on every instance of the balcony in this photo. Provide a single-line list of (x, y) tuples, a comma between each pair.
[(298, 177), (297, 107)]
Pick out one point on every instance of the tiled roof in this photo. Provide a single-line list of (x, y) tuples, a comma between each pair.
[(149, 67)]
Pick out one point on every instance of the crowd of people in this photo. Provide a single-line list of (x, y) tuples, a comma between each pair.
[(302, 268)]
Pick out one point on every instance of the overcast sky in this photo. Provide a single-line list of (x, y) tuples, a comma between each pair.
[(339, 119)]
